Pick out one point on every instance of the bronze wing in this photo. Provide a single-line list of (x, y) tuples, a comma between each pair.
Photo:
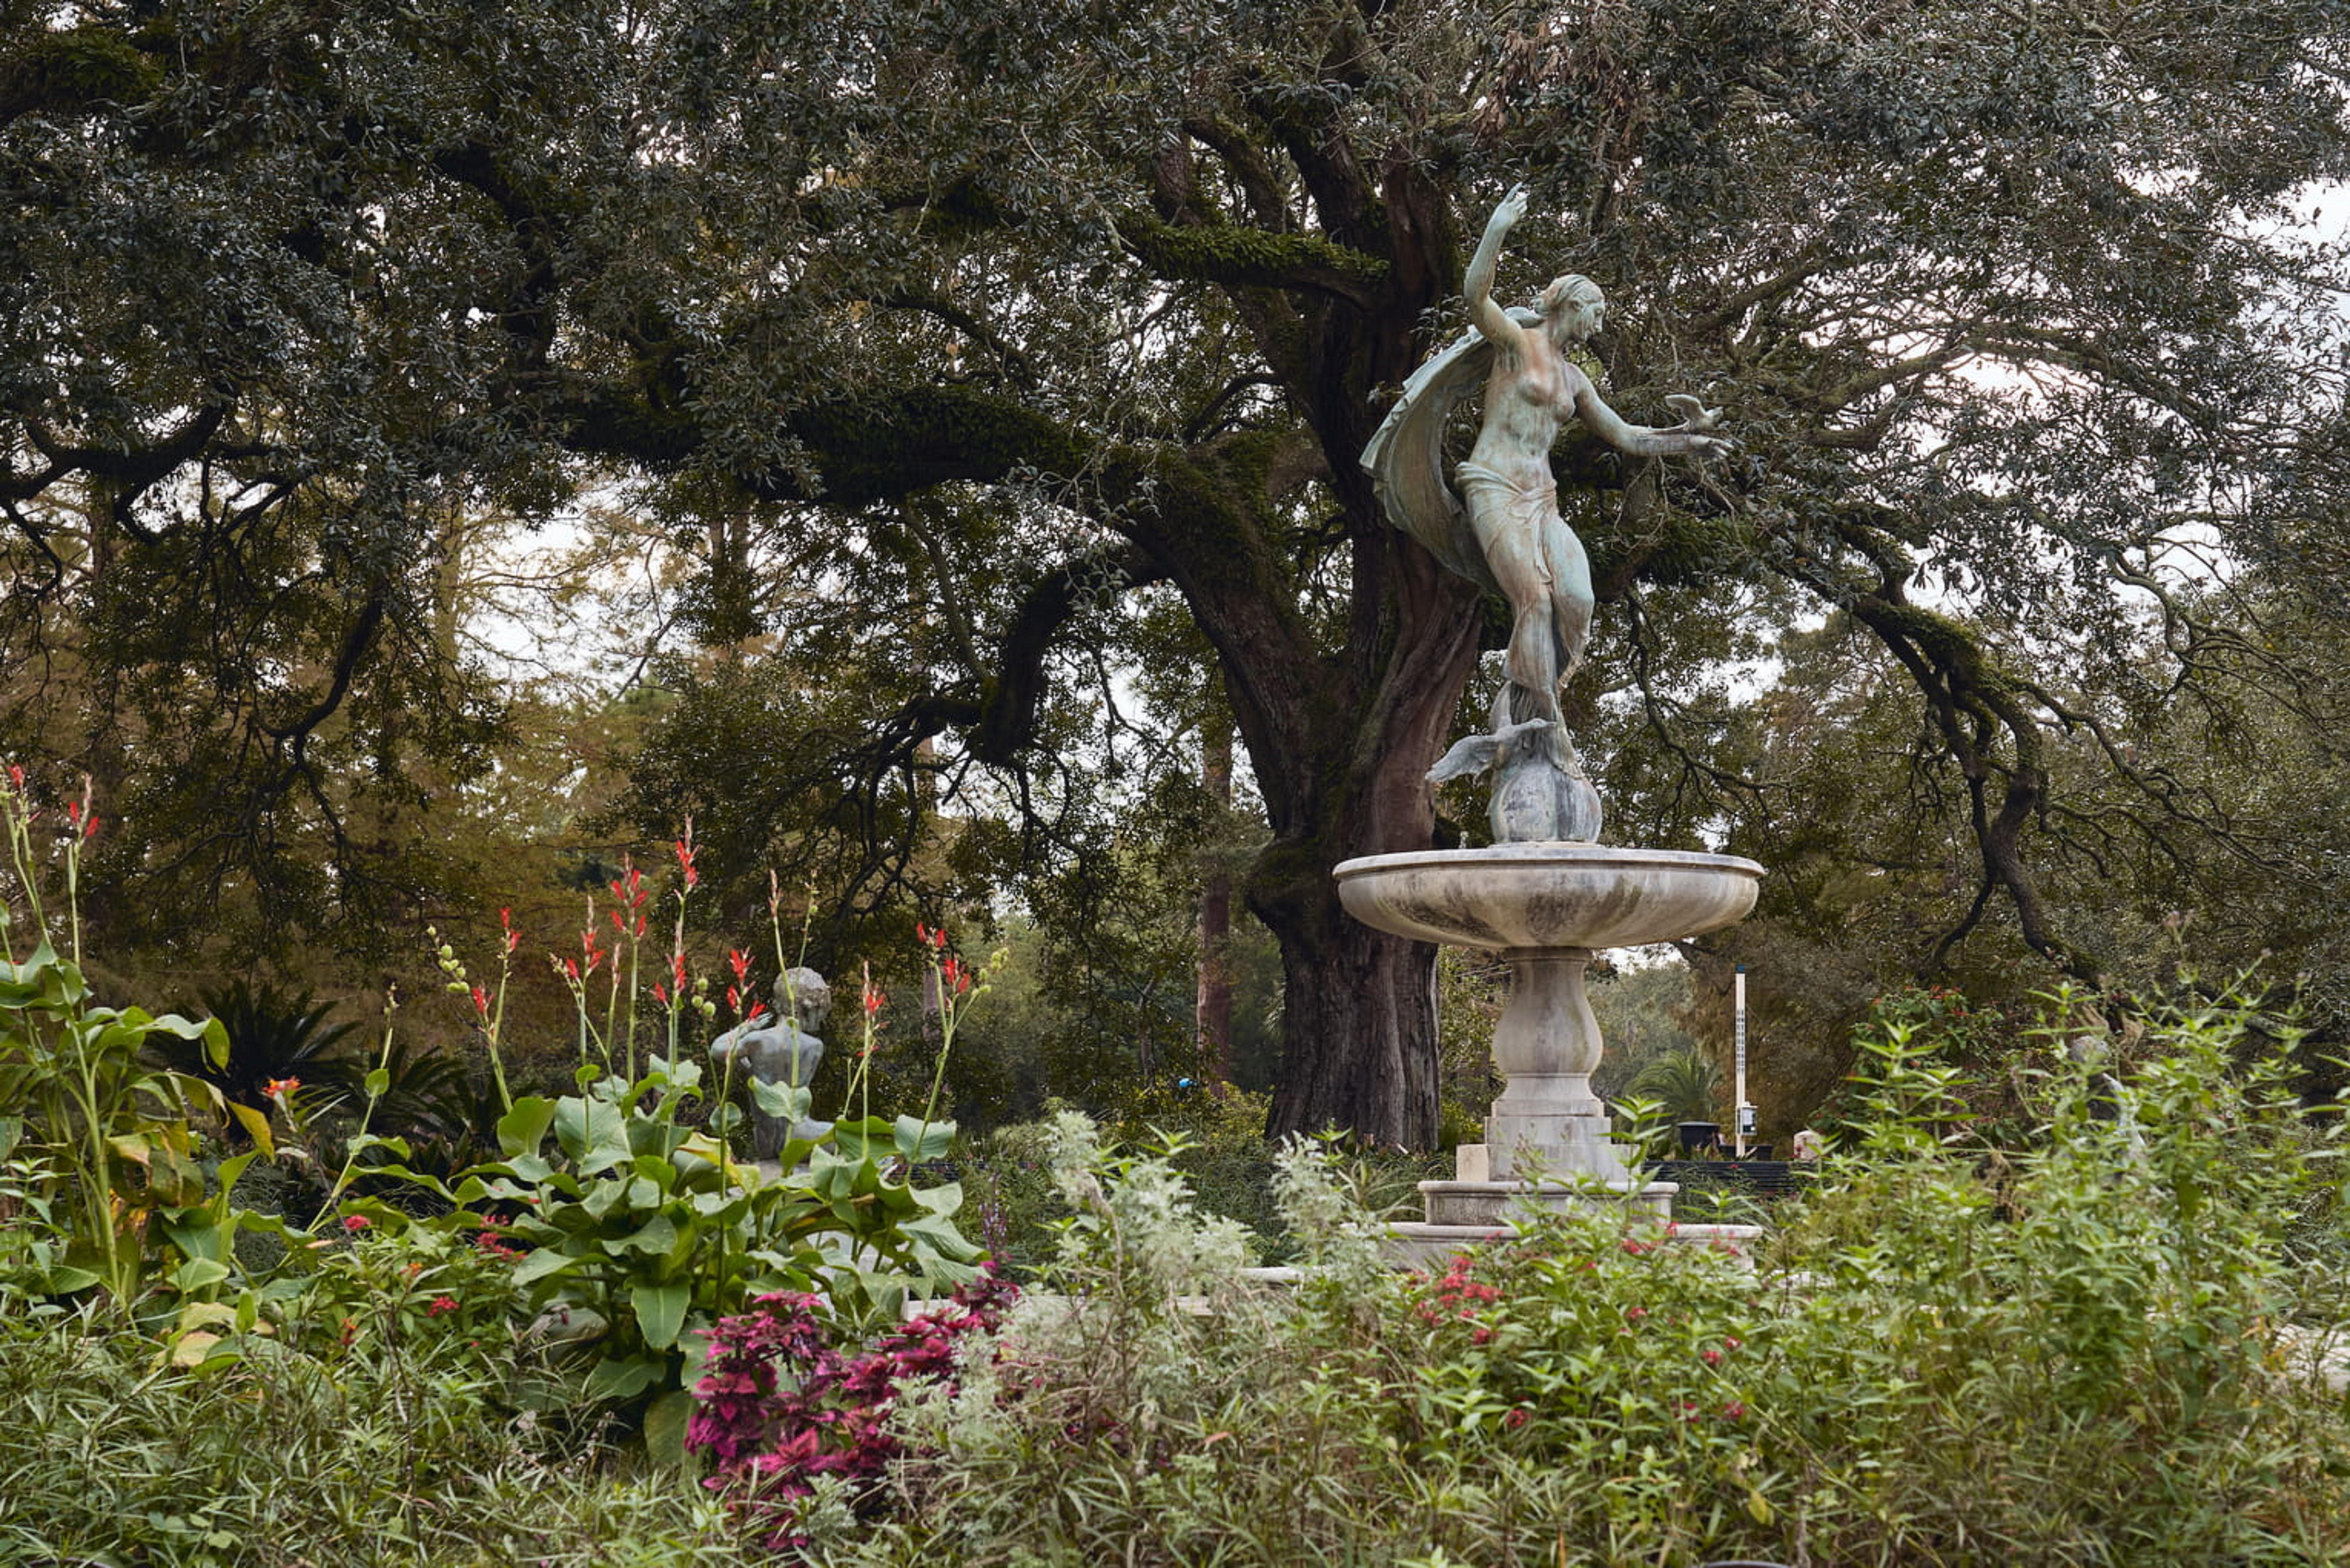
[(1406, 458)]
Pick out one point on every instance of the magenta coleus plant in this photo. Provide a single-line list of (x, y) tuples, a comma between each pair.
[(779, 1406)]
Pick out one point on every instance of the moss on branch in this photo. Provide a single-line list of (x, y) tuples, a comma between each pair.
[(1244, 257)]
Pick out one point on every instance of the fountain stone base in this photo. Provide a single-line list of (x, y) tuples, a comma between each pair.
[(1548, 908)]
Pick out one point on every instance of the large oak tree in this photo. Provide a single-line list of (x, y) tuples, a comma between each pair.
[(2002, 300)]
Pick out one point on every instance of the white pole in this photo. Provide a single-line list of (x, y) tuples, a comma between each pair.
[(1738, 1037)]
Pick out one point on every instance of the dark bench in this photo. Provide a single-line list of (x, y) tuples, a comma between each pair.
[(1760, 1178)]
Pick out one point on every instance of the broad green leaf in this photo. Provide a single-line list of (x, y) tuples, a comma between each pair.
[(198, 1272), (656, 1236), (660, 1311), (781, 1100), (944, 1198), (523, 1128), (256, 1126), (593, 1132), (378, 1083), (541, 1263), (665, 1423), (626, 1378), (918, 1141)]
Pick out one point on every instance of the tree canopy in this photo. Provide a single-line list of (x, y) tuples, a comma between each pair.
[(986, 319)]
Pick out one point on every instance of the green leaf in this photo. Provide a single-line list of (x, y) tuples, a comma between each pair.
[(593, 1132), (655, 1237), (665, 1422), (918, 1141), (256, 1126), (541, 1263), (523, 1128), (626, 1378), (660, 1311), (378, 1083), (198, 1272), (781, 1100)]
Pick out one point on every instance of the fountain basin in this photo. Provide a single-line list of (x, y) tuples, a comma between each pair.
[(1548, 896)]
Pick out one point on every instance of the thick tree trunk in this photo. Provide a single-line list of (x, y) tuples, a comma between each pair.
[(1360, 1031), (1358, 1028)]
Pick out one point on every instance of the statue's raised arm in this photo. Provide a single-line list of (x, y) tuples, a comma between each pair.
[(1502, 531)]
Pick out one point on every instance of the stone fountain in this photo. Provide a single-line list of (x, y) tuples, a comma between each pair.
[(1548, 908), (1546, 896)]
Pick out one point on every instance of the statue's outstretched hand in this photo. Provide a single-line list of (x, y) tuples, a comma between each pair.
[(1695, 415)]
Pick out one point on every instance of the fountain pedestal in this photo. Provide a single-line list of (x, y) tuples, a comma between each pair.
[(1548, 908)]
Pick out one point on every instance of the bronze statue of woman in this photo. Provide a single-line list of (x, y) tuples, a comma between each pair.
[(1507, 535)]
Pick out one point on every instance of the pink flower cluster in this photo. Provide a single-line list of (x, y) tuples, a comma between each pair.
[(769, 1441), (1456, 1295)]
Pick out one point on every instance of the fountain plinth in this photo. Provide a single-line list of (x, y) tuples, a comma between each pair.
[(1548, 907)]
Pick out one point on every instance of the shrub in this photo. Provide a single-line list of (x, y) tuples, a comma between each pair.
[(2078, 1346)]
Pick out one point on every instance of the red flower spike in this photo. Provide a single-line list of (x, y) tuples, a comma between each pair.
[(758, 1010), (733, 1000), (660, 994), (571, 970), (89, 826), (480, 1001), (873, 1000), (739, 961), (677, 968), (16, 777), (73, 812)]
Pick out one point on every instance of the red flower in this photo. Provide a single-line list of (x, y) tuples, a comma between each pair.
[(355, 1223), (873, 1000), (441, 1306), (1516, 1418), (685, 855), (1634, 1314), (677, 968), (481, 1002), (1710, 1357), (733, 1000), (279, 1088), (957, 977), (1735, 1409), (660, 994), (1729, 1343), (514, 937), (740, 962), (16, 777)]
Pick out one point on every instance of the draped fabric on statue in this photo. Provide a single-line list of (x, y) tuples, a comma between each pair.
[(1406, 458)]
